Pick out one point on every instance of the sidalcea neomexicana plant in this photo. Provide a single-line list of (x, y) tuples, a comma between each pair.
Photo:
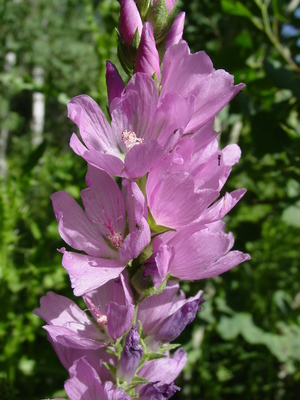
[(152, 212)]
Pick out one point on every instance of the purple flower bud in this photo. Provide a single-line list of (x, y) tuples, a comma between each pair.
[(176, 31), (114, 82), (130, 20), (147, 59), (155, 392), (131, 356)]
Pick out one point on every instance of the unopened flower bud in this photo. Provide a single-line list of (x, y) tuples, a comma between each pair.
[(129, 21), (114, 82), (176, 31), (147, 59)]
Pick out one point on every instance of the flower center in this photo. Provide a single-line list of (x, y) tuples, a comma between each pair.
[(100, 319), (115, 239), (130, 140)]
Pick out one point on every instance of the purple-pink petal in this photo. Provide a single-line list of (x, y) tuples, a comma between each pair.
[(84, 382), (175, 33), (114, 82), (129, 21), (92, 124), (76, 228), (147, 58)]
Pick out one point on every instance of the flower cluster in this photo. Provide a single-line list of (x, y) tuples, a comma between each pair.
[(152, 214)]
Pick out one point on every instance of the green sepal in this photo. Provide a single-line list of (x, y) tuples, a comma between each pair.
[(112, 368), (144, 6), (127, 54), (170, 346), (145, 286), (161, 20), (155, 355), (141, 284), (156, 229), (137, 380)]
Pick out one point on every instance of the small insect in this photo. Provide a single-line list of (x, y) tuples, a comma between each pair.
[(138, 226), (219, 159)]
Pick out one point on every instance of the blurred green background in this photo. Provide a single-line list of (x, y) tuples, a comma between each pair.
[(245, 344)]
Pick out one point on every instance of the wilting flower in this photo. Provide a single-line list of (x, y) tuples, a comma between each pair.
[(100, 230), (131, 356), (164, 316)]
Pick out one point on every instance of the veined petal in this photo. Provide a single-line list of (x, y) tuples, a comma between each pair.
[(84, 382), (183, 71), (212, 96), (75, 227), (103, 202), (222, 207), (164, 370), (223, 264), (108, 162), (88, 273), (134, 111), (139, 232), (68, 338), (92, 124), (196, 250)]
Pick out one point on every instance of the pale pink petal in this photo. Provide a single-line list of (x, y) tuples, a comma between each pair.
[(93, 126), (75, 227), (139, 232), (88, 273), (103, 203), (222, 207), (84, 382), (223, 264), (164, 370), (108, 162)]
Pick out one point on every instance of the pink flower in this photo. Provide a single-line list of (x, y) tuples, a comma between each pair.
[(143, 128), (182, 187), (100, 230), (112, 307), (195, 252)]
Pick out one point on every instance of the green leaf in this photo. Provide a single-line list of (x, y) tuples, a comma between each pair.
[(291, 215), (235, 8)]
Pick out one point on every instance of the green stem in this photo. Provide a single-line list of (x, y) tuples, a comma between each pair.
[(283, 51)]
